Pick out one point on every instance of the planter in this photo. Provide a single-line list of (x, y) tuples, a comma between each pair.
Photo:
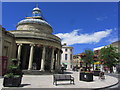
[(86, 76), (12, 81), (96, 73)]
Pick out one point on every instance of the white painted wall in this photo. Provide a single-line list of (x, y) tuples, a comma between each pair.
[(68, 52)]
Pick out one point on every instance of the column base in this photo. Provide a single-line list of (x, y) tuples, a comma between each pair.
[(52, 70), (42, 70), (29, 69)]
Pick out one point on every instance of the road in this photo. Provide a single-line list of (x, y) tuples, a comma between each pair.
[(115, 87)]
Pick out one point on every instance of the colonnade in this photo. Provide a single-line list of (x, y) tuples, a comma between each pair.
[(56, 58)]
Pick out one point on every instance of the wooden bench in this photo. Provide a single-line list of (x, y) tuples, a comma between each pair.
[(62, 77)]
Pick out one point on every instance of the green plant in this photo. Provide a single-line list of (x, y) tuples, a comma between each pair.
[(14, 61), (88, 58), (12, 67), (88, 72), (9, 75), (17, 75), (110, 56), (14, 70)]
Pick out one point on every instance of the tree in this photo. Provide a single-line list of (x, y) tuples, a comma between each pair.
[(110, 56), (88, 58)]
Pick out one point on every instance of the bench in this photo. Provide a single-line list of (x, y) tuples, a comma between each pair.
[(62, 77)]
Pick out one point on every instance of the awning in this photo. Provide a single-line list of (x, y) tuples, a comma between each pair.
[(65, 63), (97, 63)]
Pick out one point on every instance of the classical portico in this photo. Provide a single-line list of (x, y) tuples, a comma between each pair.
[(41, 57), (37, 47)]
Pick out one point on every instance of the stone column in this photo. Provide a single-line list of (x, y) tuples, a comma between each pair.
[(31, 57), (54, 63), (19, 51), (52, 59), (58, 59), (43, 59)]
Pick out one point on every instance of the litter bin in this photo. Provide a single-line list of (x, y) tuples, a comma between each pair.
[(86, 77)]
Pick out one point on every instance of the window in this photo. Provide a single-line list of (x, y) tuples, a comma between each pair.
[(65, 56), (5, 51), (70, 56), (70, 50), (66, 49)]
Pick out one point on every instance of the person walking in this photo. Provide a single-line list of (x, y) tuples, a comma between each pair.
[(101, 75)]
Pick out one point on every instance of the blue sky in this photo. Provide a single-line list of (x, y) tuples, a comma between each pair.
[(80, 25)]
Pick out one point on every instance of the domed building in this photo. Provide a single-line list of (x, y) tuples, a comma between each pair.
[(37, 47)]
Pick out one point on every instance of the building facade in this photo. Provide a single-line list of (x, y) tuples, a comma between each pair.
[(36, 47), (67, 56), (77, 61), (97, 52), (8, 45), (7, 49), (116, 44)]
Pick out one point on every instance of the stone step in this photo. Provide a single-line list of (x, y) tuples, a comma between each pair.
[(36, 72)]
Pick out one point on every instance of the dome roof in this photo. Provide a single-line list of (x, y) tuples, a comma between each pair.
[(32, 20), (36, 23)]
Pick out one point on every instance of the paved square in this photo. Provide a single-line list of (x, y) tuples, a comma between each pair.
[(46, 81)]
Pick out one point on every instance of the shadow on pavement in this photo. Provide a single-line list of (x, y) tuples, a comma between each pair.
[(22, 85), (68, 73), (64, 84)]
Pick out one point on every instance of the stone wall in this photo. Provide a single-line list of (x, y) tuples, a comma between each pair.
[(8, 45)]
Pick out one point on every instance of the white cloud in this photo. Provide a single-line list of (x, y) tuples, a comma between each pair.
[(114, 36), (75, 38)]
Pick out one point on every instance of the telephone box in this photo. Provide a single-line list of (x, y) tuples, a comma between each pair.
[(3, 65)]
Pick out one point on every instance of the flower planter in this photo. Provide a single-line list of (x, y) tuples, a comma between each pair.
[(12, 81), (86, 76), (96, 73)]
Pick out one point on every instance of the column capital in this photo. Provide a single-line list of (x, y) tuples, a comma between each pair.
[(32, 44), (39, 45), (19, 44), (54, 48)]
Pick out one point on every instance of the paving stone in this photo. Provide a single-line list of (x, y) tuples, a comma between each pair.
[(46, 81)]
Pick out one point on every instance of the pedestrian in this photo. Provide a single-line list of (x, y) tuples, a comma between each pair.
[(34, 66), (101, 75), (81, 69)]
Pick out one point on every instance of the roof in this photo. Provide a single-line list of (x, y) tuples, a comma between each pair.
[(7, 32), (33, 20), (66, 47), (117, 42)]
